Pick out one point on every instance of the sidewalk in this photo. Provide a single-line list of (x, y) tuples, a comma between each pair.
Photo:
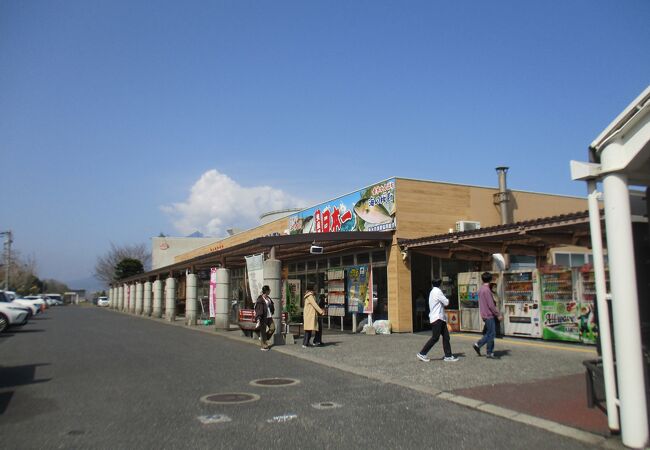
[(538, 383)]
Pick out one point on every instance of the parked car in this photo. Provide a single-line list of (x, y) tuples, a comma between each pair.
[(37, 304), (102, 301), (11, 314), (55, 299)]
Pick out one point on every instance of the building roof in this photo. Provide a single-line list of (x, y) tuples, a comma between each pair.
[(529, 237), (287, 248)]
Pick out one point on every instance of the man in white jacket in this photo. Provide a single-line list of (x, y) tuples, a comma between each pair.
[(438, 320)]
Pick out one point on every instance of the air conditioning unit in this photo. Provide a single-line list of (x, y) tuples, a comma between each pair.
[(467, 225)]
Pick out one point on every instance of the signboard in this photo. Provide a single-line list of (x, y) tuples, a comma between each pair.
[(368, 306), (213, 291), (370, 209), (358, 288), (255, 272)]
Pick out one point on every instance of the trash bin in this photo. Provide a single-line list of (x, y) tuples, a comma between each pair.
[(595, 384)]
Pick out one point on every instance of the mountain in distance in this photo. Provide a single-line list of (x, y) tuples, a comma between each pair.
[(197, 234)]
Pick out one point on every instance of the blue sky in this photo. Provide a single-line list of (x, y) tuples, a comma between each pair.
[(123, 119)]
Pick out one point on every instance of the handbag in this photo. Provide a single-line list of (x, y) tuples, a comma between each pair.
[(258, 324)]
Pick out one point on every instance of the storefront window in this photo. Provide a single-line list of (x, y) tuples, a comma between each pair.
[(311, 265), (348, 260), (335, 262), (379, 256), (363, 258)]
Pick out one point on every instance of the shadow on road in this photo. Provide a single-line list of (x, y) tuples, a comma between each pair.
[(5, 398), (20, 375)]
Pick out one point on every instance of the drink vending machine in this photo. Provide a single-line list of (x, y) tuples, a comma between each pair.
[(560, 308), (468, 285), (521, 303)]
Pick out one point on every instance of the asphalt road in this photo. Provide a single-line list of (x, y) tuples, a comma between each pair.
[(85, 377)]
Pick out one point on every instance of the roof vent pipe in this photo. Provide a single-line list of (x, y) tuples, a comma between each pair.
[(501, 198)]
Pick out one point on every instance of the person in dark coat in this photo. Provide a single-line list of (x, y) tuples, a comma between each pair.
[(264, 309), (318, 335)]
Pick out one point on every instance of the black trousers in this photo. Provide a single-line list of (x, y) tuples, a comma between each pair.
[(306, 338), (318, 335), (437, 328)]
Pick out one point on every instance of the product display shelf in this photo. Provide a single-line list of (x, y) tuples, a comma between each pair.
[(336, 292)]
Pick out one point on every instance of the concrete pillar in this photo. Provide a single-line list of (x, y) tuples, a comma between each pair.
[(110, 297), (127, 297), (138, 298), (146, 308), (157, 299), (222, 294), (132, 298), (170, 299), (120, 298), (625, 308), (272, 278), (190, 299), (113, 298)]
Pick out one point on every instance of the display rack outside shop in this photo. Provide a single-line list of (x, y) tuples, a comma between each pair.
[(335, 295)]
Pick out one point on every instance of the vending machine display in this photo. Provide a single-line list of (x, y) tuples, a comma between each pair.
[(587, 323), (468, 285), (559, 306), (521, 303)]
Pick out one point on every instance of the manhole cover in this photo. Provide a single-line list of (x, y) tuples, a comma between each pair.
[(230, 398), (326, 405), (275, 382)]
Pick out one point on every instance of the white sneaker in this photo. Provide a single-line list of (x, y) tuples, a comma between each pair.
[(450, 358), (422, 357)]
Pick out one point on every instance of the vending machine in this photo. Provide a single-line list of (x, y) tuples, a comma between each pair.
[(586, 315), (560, 309), (521, 303), (468, 286)]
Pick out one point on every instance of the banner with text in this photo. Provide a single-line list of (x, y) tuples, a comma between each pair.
[(370, 209), (255, 271), (213, 291)]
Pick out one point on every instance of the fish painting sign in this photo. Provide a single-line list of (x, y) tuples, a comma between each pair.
[(369, 209)]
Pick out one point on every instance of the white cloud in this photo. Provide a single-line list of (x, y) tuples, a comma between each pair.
[(217, 202)]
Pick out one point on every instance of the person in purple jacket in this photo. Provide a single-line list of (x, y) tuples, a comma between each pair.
[(489, 313)]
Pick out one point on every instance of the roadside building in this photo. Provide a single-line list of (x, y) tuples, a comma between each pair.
[(363, 229)]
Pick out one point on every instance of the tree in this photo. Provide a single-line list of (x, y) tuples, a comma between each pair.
[(105, 266), (127, 268)]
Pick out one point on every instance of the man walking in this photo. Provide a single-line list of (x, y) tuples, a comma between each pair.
[(438, 320), (489, 313)]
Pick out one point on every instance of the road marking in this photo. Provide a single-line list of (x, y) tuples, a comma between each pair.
[(326, 405), (214, 418), (535, 344), (283, 418)]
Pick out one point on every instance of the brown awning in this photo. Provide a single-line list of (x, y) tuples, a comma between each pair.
[(530, 237), (287, 248)]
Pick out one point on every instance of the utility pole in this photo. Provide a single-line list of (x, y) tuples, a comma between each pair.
[(8, 241)]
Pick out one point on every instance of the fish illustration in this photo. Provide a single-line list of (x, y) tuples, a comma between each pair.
[(372, 214), (308, 225)]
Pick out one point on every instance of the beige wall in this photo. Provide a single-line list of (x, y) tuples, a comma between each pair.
[(277, 226), (426, 208), (164, 250)]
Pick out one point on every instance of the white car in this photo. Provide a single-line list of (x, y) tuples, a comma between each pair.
[(54, 299), (11, 314), (37, 305), (102, 301)]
